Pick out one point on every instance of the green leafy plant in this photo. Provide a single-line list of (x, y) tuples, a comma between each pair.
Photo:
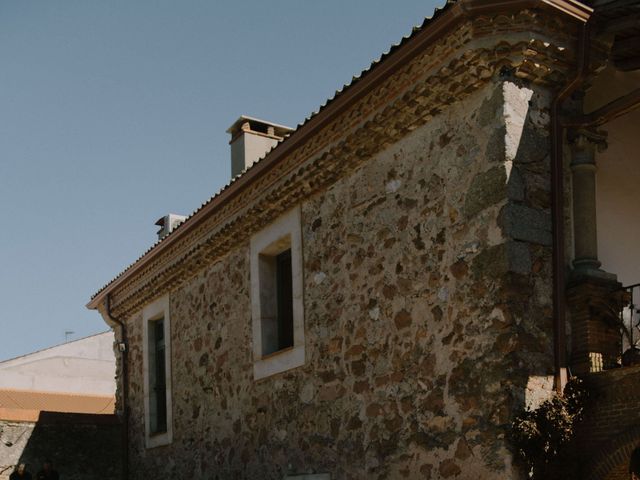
[(542, 436)]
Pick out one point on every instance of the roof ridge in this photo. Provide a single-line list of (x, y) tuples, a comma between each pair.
[(52, 346)]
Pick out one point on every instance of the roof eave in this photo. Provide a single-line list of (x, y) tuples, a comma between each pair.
[(577, 10), (436, 28), (573, 8)]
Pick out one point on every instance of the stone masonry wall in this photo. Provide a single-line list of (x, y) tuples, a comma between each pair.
[(427, 297), (82, 447)]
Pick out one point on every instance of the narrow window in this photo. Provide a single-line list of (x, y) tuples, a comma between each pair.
[(157, 378), (277, 308), (276, 297), (284, 290), (156, 358)]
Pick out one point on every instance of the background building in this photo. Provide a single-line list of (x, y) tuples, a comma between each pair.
[(59, 403)]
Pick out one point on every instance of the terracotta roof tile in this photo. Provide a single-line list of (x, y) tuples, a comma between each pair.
[(24, 405)]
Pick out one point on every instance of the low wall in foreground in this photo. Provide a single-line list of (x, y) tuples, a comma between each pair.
[(81, 446)]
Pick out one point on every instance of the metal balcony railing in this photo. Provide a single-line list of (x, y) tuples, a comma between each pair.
[(630, 325)]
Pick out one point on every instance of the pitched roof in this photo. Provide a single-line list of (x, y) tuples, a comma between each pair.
[(437, 12), (571, 7)]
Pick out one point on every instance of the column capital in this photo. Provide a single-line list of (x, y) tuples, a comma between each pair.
[(587, 141)]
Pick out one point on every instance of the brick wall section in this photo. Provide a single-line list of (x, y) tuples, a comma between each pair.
[(82, 447), (593, 307), (611, 427)]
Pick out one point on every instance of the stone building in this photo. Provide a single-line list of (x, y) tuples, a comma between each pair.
[(378, 292)]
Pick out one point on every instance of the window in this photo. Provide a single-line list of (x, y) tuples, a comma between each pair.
[(284, 289), (157, 383), (157, 373), (276, 296), (276, 300)]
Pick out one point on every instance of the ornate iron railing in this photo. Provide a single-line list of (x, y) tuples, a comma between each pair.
[(630, 325)]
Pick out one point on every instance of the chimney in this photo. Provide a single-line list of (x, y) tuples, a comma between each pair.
[(251, 139), (168, 224)]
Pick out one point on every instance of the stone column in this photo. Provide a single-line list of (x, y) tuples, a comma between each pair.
[(584, 144), (592, 294)]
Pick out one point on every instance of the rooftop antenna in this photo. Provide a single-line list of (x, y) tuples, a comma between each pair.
[(66, 335)]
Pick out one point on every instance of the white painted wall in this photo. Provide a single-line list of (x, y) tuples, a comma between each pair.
[(618, 200), (85, 366)]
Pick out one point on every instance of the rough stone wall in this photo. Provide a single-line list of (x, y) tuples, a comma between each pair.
[(82, 447), (427, 280)]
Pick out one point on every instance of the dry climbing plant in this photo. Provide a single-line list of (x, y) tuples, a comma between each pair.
[(542, 436)]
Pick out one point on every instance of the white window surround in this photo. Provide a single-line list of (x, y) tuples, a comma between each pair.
[(282, 234), (155, 311)]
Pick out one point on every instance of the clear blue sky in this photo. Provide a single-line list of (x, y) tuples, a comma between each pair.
[(113, 113)]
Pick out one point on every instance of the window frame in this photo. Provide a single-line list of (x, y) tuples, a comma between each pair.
[(155, 311), (281, 235), (284, 299)]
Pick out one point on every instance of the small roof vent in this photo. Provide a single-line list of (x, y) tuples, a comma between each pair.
[(168, 224)]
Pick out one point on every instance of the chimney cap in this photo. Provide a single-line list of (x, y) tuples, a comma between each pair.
[(260, 127), (168, 223)]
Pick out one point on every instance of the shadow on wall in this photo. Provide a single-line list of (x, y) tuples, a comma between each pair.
[(81, 446)]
